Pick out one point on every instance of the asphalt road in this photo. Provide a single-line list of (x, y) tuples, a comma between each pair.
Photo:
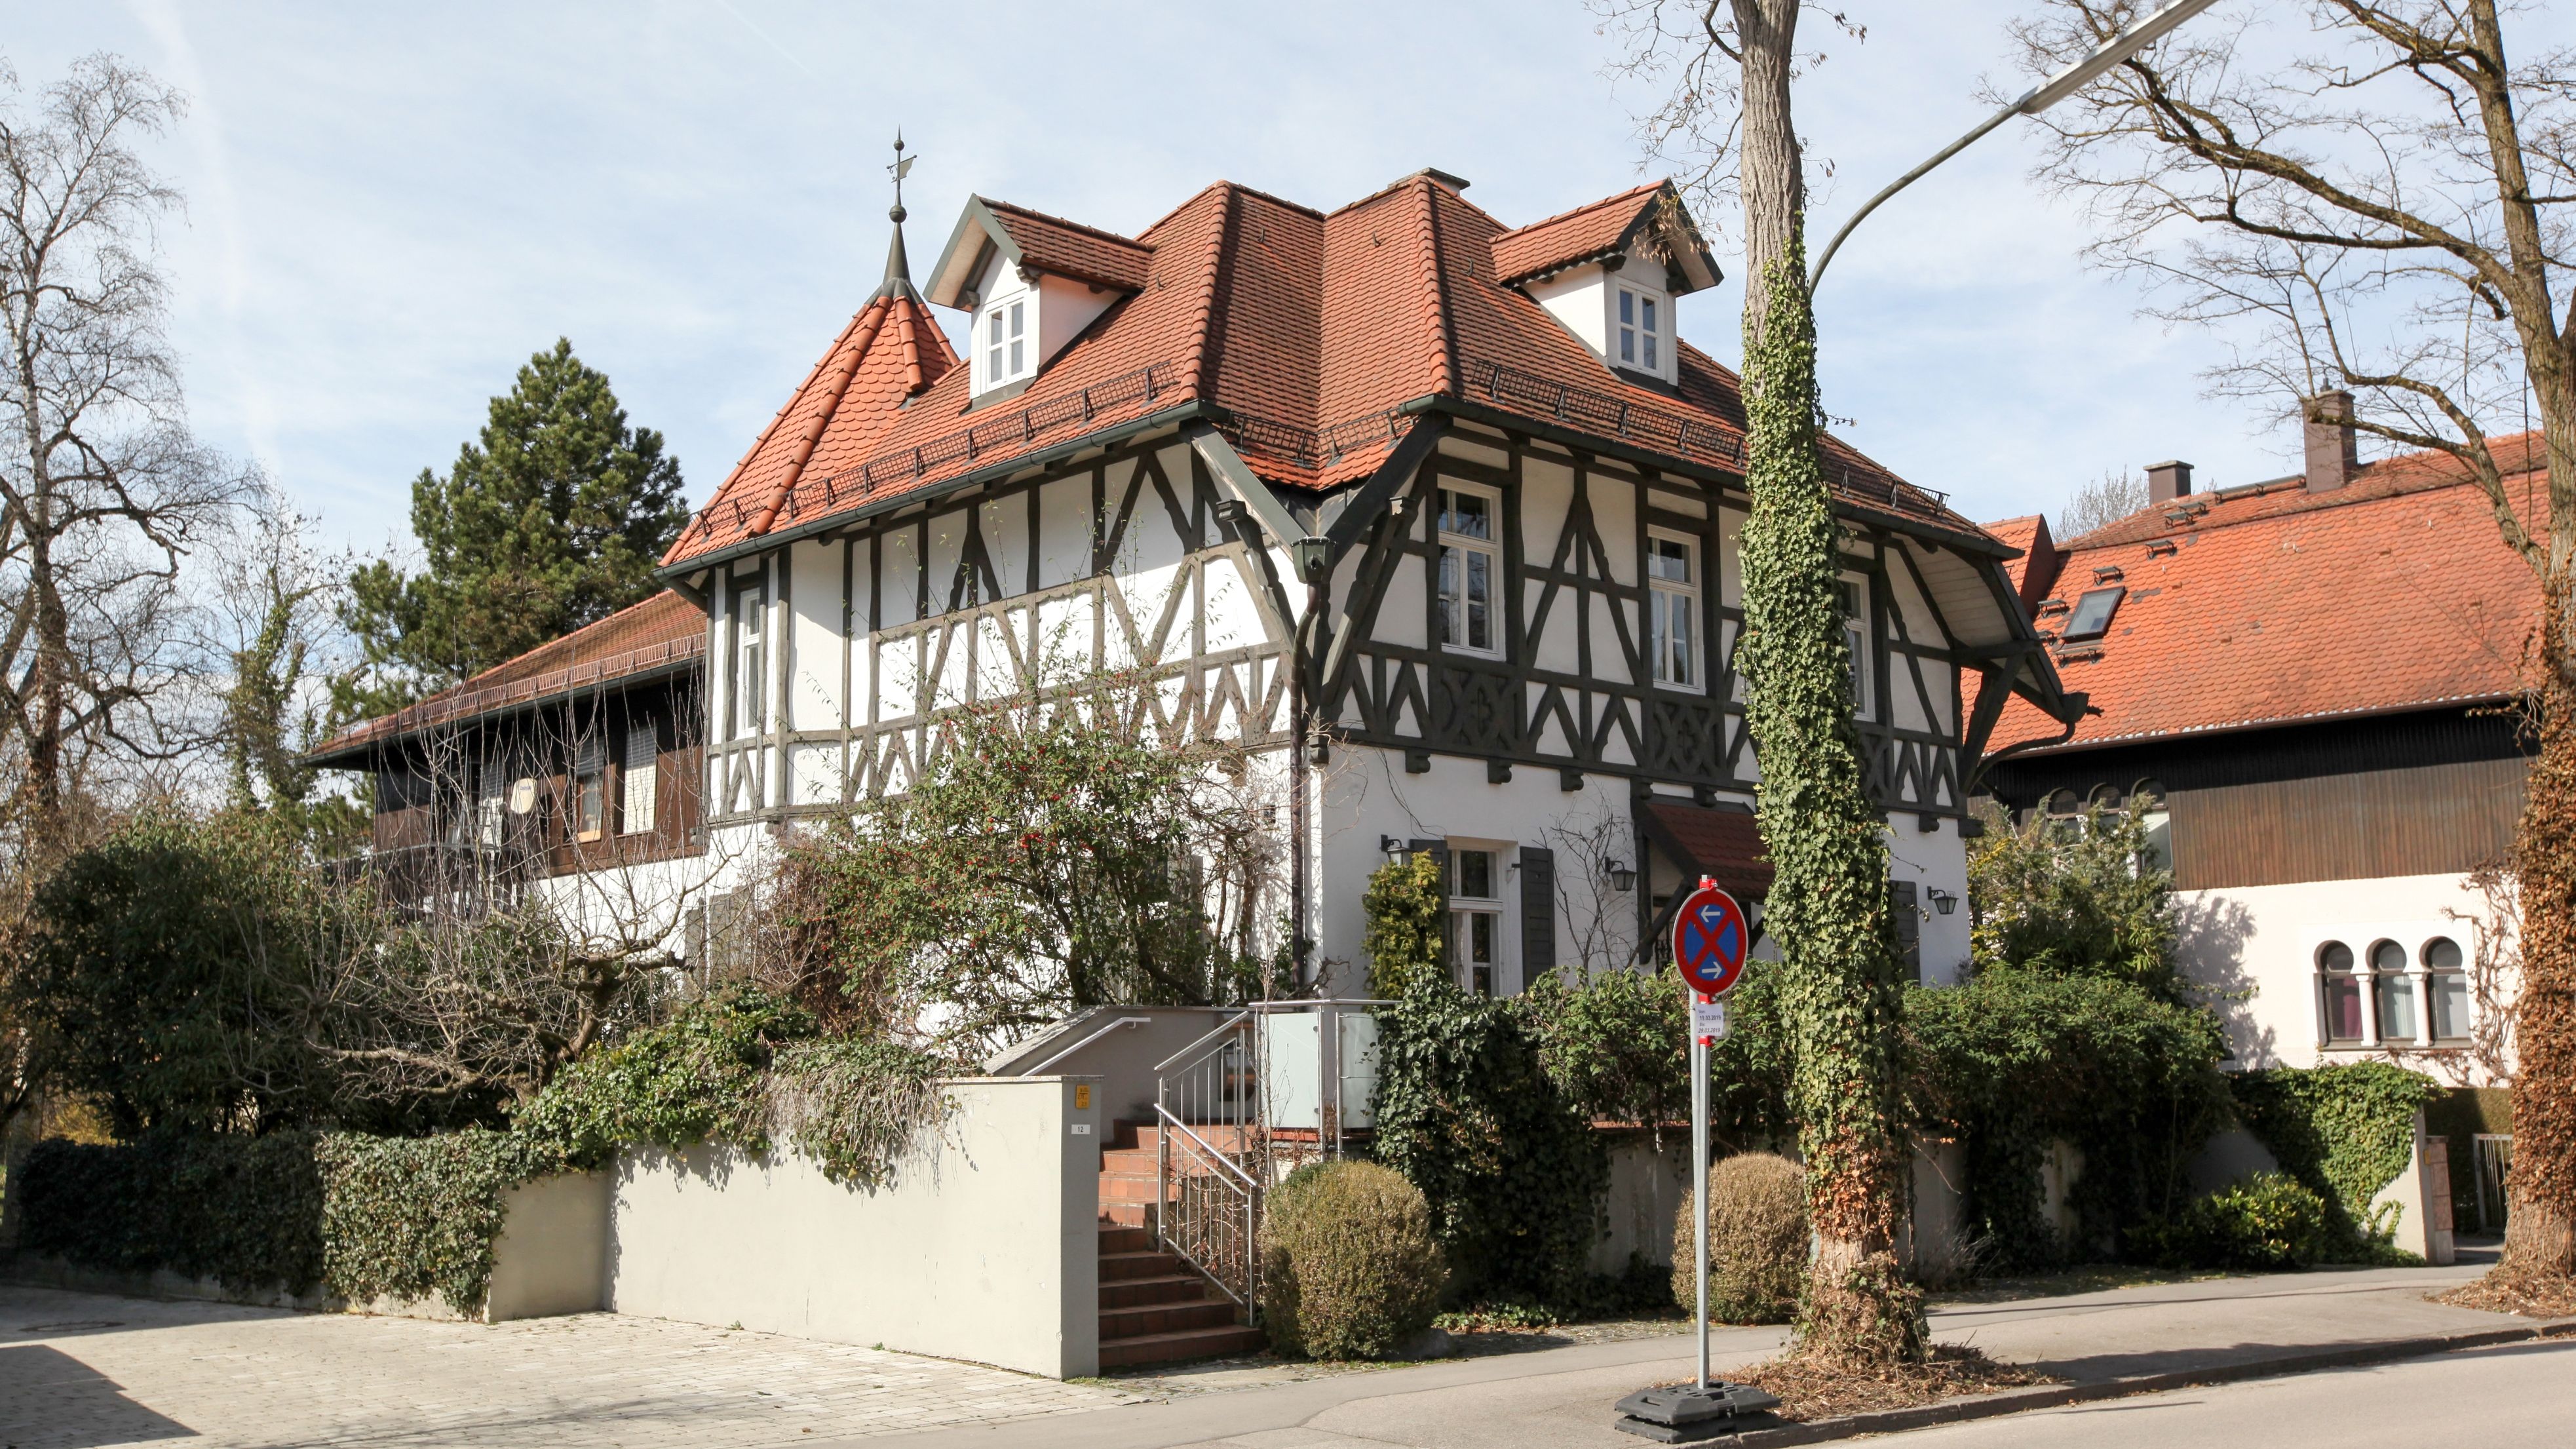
[(2522, 1396)]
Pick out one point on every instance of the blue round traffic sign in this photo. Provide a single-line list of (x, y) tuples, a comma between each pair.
[(1710, 939)]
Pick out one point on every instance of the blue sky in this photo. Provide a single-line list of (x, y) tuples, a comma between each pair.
[(390, 207)]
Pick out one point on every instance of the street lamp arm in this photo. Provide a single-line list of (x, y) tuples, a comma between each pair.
[(2033, 101), (1908, 179)]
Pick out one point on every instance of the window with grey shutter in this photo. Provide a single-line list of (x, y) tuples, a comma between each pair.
[(635, 813), (1538, 913)]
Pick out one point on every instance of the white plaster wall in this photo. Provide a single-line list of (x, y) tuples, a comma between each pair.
[(1065, 307), (1936, 859), (1578, 300), (988, 1251), (2254, 947), (817, 647)]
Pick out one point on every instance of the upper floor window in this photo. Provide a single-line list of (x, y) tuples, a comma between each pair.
[(1009, 351), (2340, 993), (744, 692), (1640, 329), (1853, 592), (2446, 988), (1475, 918), (1471, 569), (639, 773), (1672, 578), (590, 788), (2392, 992)]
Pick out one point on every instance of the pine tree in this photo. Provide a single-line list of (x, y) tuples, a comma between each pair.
[(552, 520)]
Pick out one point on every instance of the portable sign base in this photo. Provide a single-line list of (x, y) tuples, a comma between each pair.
[(1709, 941)]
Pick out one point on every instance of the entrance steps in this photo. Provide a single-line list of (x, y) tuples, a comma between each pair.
[(1154, 1307)]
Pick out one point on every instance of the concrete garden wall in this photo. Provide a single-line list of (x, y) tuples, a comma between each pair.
[(985, 1248)]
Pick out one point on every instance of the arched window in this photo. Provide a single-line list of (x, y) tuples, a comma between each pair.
[(2447, 989), (2340, 993), (2065, 812), (2392, 993)]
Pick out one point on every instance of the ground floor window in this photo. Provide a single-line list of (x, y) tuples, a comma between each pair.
[(1475, 918)]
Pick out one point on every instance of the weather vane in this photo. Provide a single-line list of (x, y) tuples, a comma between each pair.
[(901, 168)]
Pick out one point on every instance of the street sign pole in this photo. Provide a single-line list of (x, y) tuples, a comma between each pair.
[(1699, 1189), (1711, 939)]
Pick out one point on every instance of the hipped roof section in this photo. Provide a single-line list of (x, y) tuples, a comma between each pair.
[(1310, 338)]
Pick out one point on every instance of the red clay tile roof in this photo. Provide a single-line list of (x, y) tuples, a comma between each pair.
[(1723, 844), (2037, 566), (2269, 604), (1586, 232), (662, 631), (1070, 249), (1301, 333)]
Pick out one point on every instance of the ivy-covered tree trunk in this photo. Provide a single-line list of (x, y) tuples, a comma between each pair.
[(2540, 1223), (1828, 906)]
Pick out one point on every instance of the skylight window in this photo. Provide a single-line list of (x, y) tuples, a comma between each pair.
[(2093, 611)]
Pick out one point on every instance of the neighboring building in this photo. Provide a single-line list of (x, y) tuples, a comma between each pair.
[(579, 756), (1451, 493), (2312, 678)]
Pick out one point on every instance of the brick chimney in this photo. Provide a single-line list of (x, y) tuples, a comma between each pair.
[(2168, 481), (2333, 454)]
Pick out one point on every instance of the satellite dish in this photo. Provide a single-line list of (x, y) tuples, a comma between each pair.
[(523, 795)]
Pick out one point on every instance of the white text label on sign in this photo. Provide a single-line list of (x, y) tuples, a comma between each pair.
[(1708, 1018)]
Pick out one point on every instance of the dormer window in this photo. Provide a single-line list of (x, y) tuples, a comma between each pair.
[(1007, 353), (1641, 329)]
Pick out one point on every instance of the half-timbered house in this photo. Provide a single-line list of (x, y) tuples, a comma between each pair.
[(1439, 514)]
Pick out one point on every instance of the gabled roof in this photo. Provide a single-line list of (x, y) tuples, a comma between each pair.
[(2269, 604), (1309, 337), (663, 633), (1723, 844), (1036, 242), (1607, 228)]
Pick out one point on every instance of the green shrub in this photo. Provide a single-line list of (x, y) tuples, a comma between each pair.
[(1510, 1165), (1406, 916), (1349, 1268), (2266, 1223), (244, 1211), (411, 1217), (694, 1079), (1757, 1240), (363, 1217), (2345, 1131)]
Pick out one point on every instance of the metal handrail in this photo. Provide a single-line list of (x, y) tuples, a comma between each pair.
[(1124, 1021), (1224, 1160), (1229, 1024)]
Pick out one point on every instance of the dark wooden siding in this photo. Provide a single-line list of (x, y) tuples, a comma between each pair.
[(2357, 826)]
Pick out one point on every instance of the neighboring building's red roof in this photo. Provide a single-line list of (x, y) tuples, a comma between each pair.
[(662, 631), (1725, 845), (1583, 234), (2270, 604), (2030, 573), (1305, 331)]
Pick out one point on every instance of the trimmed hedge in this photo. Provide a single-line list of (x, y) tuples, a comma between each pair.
[(359, 1217), (1757, 1240), (1349, 1268), (2268, 1222)]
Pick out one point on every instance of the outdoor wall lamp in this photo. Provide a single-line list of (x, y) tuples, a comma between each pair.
[(1623, 877), (1390, 847), (1943, 901), (1310, 554)]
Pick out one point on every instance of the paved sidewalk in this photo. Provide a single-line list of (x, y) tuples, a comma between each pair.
[(81, 1371), (1563, 1396)]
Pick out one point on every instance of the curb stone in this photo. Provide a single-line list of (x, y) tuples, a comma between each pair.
[(2050, 1396)]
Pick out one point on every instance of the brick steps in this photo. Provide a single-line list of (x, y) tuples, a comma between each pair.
[(1155, 1308)]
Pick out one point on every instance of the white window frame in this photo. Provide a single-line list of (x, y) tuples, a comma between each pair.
[(747, 711), (1454, 616), (1856, 631), (1667, 599), (1464, 911), (1641, 328), (1006, 331)]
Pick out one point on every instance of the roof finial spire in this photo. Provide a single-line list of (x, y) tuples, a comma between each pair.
[(898, 272)]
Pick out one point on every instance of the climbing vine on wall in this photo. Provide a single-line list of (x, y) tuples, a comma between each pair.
[(2346, 1131)]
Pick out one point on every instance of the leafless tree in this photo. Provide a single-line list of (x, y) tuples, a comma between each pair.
[(273, 620), (1600, 917), (2494, 969), (2107, 499), (102, 488), (2380, 211)]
